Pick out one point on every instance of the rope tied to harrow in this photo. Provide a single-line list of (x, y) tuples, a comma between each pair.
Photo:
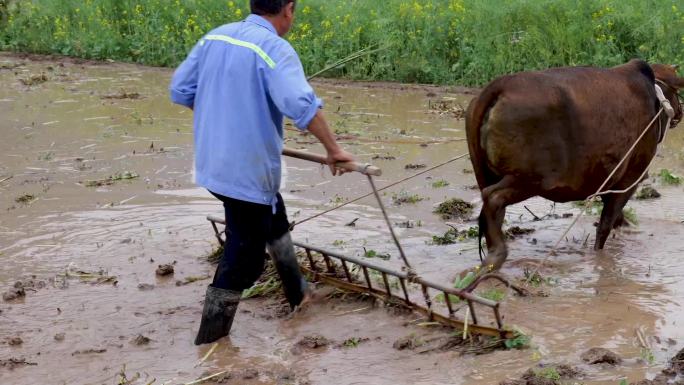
[(412, 275)]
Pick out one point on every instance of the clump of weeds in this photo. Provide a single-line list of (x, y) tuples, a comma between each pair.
[(370, 253), (647, 192), (454, 208), (25, 199), (216, 255), (126, 175), (454, 235), (268, 284)]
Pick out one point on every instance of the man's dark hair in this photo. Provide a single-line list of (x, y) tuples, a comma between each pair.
[(268, 7)]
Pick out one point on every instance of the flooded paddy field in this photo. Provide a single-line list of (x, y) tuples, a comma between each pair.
[(96, 192)]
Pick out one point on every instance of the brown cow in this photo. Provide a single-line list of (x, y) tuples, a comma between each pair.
[(559, 134)]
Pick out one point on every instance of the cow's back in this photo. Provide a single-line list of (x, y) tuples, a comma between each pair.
[(561, 126)]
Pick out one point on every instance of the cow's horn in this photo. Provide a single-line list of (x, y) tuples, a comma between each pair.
[(675, 66)]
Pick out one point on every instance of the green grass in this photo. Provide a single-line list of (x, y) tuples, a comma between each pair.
[(440, 183), (465, 42), (404, 197)]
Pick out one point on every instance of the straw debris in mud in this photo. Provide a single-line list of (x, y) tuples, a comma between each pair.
[(33, 80), (268, 285), (517, 231), (126, 175), (123, 94), (13, 363), (446, 106)]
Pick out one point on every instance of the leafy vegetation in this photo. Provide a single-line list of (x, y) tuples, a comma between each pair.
[(453, 235), (465, 42), (494, 294), (519, 341), (550, 373), (374, 254), (667, 177), (440, 183)]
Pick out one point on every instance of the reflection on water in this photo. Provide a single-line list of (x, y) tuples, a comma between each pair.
[(61, 134)]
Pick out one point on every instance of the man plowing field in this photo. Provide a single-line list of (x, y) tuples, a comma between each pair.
[(240, 80)]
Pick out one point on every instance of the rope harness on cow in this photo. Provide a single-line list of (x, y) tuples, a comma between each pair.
[(666, 107)]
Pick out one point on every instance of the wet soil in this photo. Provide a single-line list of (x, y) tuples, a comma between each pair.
[(98, 247)]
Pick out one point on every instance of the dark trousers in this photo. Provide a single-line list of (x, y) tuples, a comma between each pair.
[(249, 227)]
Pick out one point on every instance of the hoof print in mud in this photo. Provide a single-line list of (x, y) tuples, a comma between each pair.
[(600, 356), (164, 270), (13, 294)]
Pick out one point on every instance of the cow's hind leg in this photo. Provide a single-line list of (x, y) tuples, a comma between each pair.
[(611, 216), (495, 198)]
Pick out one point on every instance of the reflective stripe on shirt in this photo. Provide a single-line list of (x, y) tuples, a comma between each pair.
[(245, 44)]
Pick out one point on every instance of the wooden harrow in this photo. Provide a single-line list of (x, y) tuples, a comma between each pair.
[(457, 308)]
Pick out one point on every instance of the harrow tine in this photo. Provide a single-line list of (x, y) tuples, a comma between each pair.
[(387, 285), (497, 315), (312, 263), (346, 271), (403, 288), (447, 300), (328, 264), (217, 233), (472, 311), (365, 274)]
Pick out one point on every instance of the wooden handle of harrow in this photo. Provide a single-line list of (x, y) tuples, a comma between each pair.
[(322, 159)]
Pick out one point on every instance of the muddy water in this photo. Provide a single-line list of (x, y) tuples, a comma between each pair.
[(60, 134)]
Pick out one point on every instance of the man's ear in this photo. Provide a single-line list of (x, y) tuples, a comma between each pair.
[(290, 9)]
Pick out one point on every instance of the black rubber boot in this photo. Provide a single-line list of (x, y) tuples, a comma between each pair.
[(220, 306), (283, 254)]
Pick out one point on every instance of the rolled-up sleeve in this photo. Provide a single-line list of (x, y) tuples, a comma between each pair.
[(184, 82), (291, 92)]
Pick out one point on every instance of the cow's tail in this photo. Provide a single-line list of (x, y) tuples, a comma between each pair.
[(476, 117)]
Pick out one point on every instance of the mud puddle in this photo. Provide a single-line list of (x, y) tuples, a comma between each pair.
[(80, 123)]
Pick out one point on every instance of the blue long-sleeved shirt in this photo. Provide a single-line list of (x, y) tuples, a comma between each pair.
[(240, 79)]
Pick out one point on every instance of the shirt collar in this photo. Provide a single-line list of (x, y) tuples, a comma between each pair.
[(258, 20)]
